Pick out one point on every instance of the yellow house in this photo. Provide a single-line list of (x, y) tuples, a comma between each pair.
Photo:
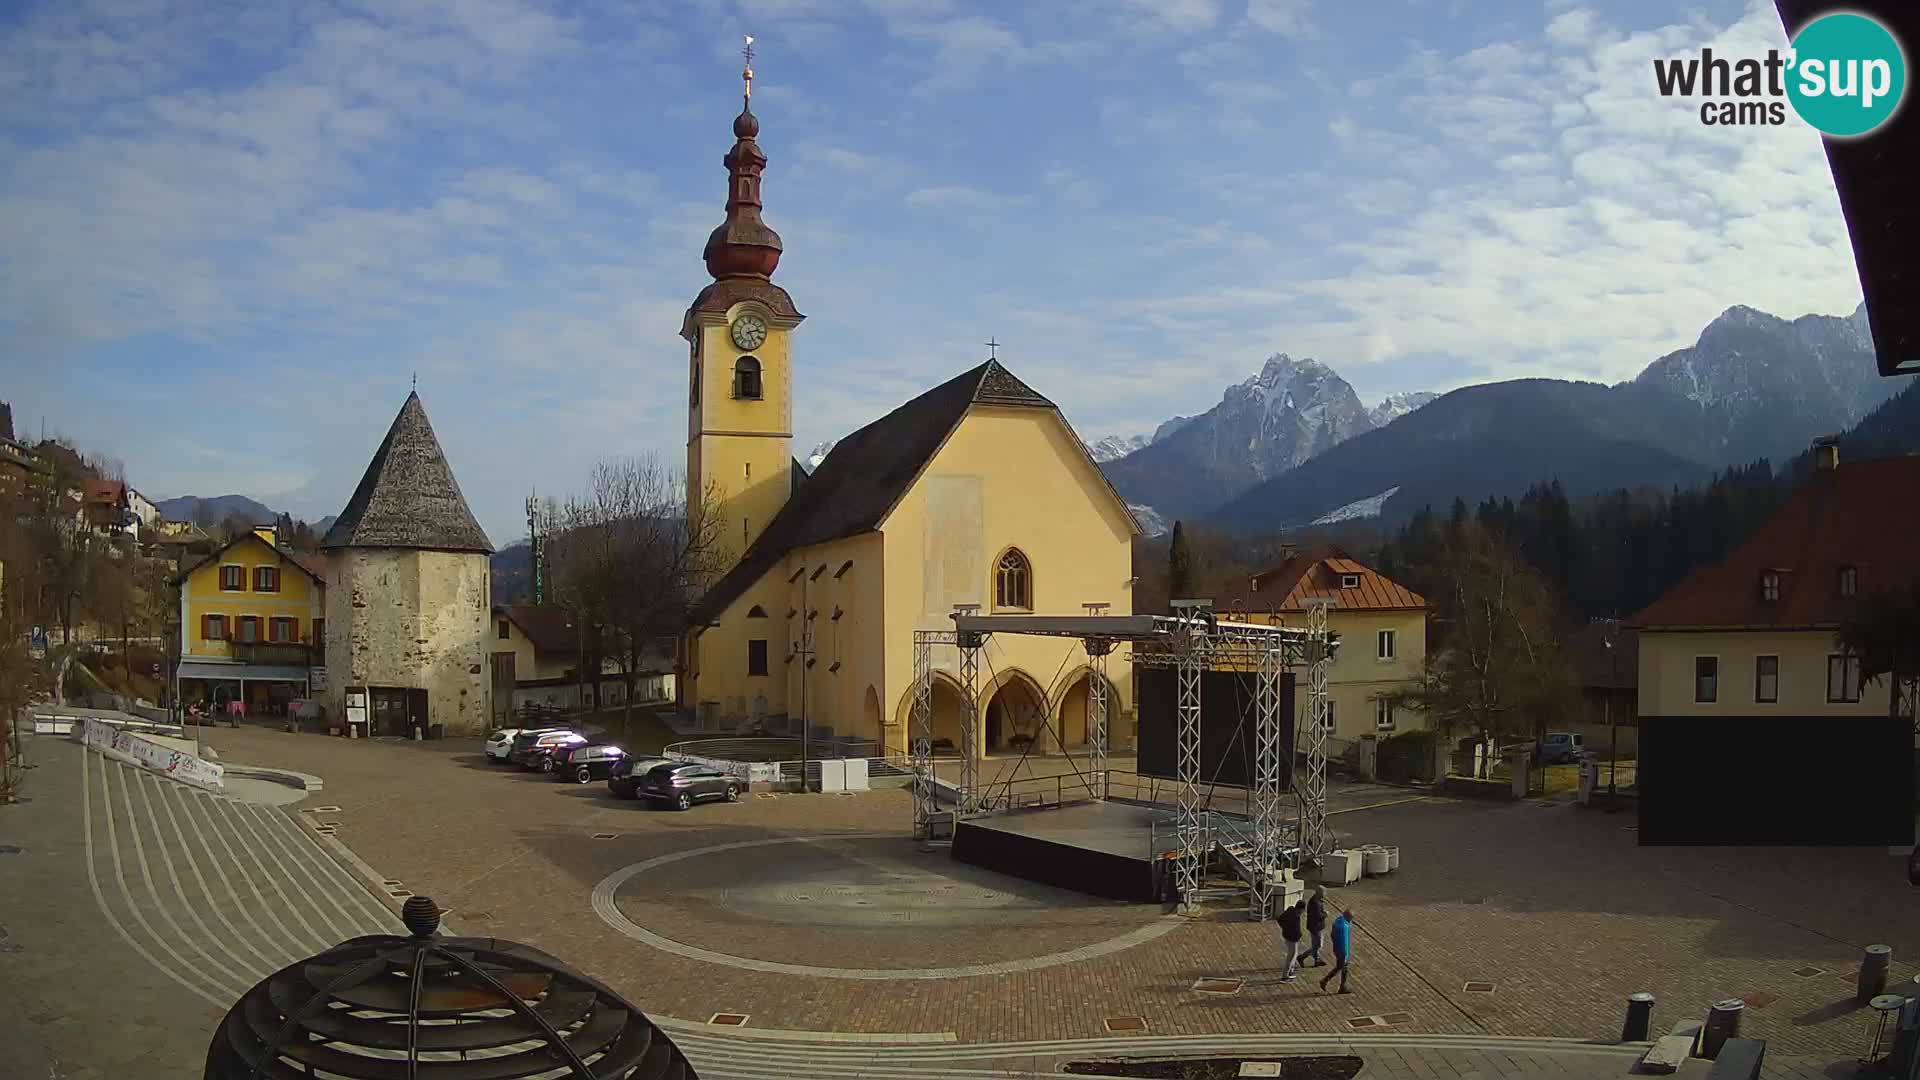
[(1753, 635), (536, 655), (252, 617), (977, 492), (1382, 627)]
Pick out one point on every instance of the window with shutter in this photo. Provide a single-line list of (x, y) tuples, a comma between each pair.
[(213, 627), (266, 579), (233, 579), (319, 631), (249, 629)]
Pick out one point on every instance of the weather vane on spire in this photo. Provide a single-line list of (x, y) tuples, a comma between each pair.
[(747, 72)]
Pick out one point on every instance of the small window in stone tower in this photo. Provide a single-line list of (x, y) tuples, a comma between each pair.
[(746, 378)]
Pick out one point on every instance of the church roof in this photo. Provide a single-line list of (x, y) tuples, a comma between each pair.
[(408, 497), (866, 473)]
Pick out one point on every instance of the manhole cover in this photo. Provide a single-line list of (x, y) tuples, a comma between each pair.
[(1396, 1018), (1478, 988), (1259, 1068), (1126, 1023), (1219, 986), (729, 1019), (323, 810), (1760, 999), (329, 826), (398, 894), (1363, 1022), (604, 835), (391, 883), (1809, 972), (764, 795)]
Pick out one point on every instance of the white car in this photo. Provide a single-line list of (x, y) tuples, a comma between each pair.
[(500, 743)]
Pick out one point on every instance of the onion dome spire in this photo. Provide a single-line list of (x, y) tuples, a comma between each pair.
[(743, 246)]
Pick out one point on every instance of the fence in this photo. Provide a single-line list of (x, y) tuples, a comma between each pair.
[(770, 759)]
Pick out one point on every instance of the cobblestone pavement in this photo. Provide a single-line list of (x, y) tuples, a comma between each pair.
[(1552, 904)]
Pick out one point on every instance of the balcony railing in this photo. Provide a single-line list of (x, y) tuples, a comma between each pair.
[(291, 654)]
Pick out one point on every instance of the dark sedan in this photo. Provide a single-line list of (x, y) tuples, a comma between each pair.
[(624, 779), (684, 783), (586, 762), (534, 749)]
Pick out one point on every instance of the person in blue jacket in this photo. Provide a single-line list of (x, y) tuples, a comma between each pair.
[(1342, 951)]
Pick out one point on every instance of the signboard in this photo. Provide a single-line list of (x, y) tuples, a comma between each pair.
[(317, 679), (37, 643), (356, 714)]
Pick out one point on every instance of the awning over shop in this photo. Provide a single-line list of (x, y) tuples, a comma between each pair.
[(202, 669)]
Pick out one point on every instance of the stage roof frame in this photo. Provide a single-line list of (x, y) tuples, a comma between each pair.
[(1116, 627)]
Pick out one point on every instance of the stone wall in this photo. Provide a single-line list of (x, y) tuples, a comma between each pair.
[(417, 619)]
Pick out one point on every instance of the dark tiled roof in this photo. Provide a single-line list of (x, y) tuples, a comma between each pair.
[(1317, 576), (866, 473), (548, 626), (1586, 651), (1863, 514), (408, 497), (1873, 176)]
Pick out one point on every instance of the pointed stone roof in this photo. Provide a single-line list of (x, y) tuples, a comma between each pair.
[(408, 497), (866, 473)]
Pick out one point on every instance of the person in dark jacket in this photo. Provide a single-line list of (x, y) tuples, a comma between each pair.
[(1290, 935), (1342, 951), (1316, 926)]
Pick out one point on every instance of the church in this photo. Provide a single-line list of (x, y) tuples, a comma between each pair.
[(977, 492)]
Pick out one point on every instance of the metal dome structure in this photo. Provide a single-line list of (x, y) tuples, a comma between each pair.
[(437, 1008)]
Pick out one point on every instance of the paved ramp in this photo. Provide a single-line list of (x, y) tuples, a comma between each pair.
[(215, 892)]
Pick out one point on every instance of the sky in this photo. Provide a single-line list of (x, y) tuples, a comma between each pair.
[(233, 233)]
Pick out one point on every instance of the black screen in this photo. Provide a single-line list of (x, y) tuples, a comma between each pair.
[(1227, 720)]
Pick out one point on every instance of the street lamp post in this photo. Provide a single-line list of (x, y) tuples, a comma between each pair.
[(1613, 730)]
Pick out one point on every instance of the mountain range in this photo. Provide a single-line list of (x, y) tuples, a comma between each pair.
[(219, 508), (1293, 446)]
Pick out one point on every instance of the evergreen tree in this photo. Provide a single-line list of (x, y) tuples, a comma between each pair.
[(1179, 565)]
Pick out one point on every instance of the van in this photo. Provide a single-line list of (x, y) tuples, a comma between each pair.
[(1561, 748)]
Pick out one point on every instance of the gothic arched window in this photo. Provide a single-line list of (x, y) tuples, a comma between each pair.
[(746, 378), (1013, 582), (756, 612)]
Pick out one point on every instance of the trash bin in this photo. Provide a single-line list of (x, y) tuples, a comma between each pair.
[(1723, 1023), (1873, 973)]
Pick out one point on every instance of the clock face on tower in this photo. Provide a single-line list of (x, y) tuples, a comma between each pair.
[(749, 331)]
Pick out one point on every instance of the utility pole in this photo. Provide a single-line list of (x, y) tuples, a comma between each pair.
[(1613, 730), (536, 549)]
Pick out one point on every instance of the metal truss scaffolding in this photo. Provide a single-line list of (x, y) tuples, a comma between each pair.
[(1191, 643), (926, 799), (1314, 838)]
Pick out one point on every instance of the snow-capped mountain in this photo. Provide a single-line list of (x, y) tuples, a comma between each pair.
[(1116, 446), (1760, 381), (1290, 411), (1395, 406), (818, 454)]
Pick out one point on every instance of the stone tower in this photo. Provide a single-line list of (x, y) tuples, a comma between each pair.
[(740, 376), (409, 590)]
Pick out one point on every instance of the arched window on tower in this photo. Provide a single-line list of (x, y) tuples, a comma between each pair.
[(756, 612), (1013, 582), (746, 378)]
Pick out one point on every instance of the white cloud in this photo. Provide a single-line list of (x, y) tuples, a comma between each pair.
[(1289, 18)]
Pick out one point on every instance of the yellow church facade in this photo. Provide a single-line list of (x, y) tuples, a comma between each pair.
[(977, 492)]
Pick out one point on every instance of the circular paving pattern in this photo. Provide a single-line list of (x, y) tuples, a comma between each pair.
[(857, 894)]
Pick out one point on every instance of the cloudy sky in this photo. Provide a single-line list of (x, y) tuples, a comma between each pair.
[(233, 231)]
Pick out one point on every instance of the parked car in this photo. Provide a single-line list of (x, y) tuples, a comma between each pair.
[(534, 749), (586, 762), (499, 745), (683, 783), (1561, 748), (624, 779)]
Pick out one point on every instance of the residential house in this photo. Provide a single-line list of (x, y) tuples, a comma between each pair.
[(1382, 628), (537, 652), (976, 492), (252, 619), (1753, 635), (105, 510)]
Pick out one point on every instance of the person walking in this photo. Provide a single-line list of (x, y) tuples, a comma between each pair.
[(1342, 952), (1316, 926), (1290, 935)]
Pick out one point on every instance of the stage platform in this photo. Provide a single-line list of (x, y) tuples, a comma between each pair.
[(1114, 849)]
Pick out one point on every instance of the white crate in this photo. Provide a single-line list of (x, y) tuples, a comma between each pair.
[(1341, 868)]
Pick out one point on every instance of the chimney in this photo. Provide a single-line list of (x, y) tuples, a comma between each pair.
[(6, 421), (1826, 453), (267, 533)]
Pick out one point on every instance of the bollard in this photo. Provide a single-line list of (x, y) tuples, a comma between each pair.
[(1873, 973), (1723, 1023), (1639, 1025)]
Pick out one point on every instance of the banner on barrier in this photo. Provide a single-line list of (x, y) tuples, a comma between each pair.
[(123, 745)]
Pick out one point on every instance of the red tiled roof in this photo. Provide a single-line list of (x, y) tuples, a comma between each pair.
[(313, 564), (105, 492), (1317, 576), (1863, 514)]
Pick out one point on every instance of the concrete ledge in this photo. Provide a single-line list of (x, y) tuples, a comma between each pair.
[(300, 780), (900, 1038)]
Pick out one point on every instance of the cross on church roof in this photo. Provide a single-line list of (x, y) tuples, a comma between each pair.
[(993, 349)]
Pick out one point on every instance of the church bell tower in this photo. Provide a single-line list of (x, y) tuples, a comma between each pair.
[(740, 374)]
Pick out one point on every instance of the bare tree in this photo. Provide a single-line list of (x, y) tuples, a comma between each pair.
[(1500, 672), (631, 555)]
